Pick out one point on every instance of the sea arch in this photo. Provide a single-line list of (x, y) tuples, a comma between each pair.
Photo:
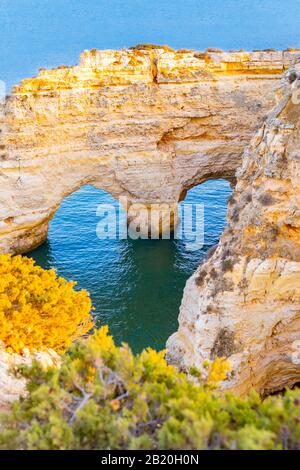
[(145, 124)]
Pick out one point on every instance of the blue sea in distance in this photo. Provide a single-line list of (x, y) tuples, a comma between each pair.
[(136, 285)]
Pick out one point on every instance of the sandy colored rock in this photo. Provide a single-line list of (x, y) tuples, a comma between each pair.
[(11, 387), (149, 125), (144, 124)]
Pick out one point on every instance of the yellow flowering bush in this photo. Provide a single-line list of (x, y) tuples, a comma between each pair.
[(38, 309)]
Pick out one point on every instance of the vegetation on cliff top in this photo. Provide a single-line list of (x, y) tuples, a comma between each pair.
[(39, 310), (104, 397)]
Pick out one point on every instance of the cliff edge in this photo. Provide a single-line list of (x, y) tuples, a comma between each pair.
[(244, 301)]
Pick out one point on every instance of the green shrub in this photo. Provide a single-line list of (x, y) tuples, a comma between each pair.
[(104, 397)]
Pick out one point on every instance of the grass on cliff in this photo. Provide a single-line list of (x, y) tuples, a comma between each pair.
[(104, 397)]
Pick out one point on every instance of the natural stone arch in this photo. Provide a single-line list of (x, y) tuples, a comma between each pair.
[(244, 302), (145, 124)]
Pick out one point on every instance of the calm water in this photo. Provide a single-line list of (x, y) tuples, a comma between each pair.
[(136, 286)]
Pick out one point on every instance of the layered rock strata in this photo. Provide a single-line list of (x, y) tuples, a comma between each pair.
[(11, 386), (147, 124)]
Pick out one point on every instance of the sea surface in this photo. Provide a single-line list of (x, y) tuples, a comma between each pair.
[(136, 285)]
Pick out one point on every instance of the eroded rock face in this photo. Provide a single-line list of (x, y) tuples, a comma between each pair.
[(145, 124), (244, 301)]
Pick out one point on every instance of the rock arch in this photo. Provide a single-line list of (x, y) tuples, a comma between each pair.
[(147, 124), (244, 302)]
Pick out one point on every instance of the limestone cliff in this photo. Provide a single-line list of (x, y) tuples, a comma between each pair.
[(11, 386), (143, 123), (244, 301)]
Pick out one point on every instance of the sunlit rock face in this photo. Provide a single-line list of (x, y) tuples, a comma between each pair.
[(147, 124), (244, 301), (11, 385)]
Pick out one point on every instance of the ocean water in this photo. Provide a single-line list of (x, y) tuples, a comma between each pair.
[(136, 285), (35, 33)]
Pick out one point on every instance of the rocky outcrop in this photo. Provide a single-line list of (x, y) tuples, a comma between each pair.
[(11, 386), (149, 124), (145, 123), (244, 301)]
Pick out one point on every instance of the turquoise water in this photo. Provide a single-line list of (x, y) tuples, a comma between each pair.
[(136, 286)]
